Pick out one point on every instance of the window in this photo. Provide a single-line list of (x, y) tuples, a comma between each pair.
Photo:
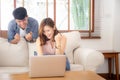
[(7, 6), (68, 15), (79, 11)]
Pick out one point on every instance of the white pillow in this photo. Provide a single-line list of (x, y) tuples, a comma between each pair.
[(13, 55), (73, 41)]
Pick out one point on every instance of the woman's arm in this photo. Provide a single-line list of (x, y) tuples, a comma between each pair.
[(39, 47), (60, 44)]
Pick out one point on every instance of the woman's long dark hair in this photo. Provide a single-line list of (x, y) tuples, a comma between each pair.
[(48, 22)]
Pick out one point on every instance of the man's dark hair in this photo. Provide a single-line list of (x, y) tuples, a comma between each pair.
[(20, 13)]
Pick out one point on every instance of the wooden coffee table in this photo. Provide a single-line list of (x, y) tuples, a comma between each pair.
[(112, 54), (69, 75)]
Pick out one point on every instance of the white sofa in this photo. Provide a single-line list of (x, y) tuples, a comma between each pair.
[(14, 58)]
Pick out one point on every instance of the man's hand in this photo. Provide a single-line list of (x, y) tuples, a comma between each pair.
[(28, 36), (17, 37)]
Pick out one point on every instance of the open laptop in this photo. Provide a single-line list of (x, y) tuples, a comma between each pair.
[(47, 65)]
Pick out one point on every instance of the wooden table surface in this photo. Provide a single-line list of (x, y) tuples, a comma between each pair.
[(69, 75)]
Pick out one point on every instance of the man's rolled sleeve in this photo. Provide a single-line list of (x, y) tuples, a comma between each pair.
[(35, 31), (11, 32)]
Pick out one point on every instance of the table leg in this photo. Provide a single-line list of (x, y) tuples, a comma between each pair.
[(109, 66), (117, 66)]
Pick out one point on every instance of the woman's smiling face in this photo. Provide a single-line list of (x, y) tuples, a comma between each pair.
[(48, 32)]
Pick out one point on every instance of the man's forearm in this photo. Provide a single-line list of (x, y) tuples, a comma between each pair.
[(14, 41)]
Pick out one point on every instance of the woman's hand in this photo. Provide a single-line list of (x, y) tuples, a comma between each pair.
[(58, 38)]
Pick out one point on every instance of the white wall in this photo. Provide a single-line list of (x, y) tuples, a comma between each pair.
[(117, 26), (105, 11), (116, 42), (105, 20)]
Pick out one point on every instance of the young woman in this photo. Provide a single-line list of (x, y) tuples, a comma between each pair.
[(50, 41)]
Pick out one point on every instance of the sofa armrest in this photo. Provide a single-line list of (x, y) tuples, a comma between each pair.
[(89, 58)]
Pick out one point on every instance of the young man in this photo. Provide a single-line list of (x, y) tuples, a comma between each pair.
[(22, 26)]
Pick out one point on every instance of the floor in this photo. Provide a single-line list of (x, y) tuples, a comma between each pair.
[(106, 76)]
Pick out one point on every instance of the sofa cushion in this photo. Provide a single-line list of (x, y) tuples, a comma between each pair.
[(76, 67), (13, 55), (13, 70), (31, 48), (73, 42)]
